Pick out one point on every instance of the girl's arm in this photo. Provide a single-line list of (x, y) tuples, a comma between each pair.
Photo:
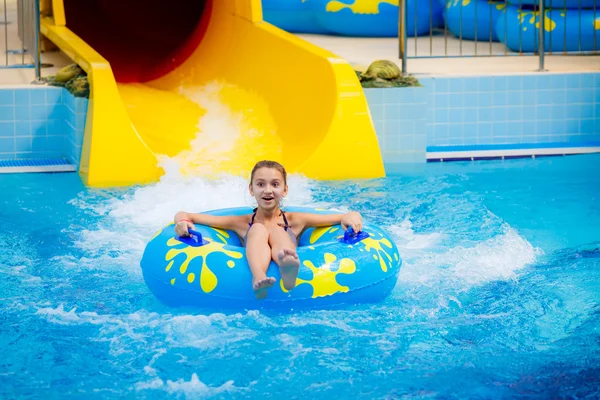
[(307, 220), (184, 221)]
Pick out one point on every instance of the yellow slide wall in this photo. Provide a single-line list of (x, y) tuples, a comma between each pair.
[(301, 105)]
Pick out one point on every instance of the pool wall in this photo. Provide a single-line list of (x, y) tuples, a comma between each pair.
[(488, 116), (447, 118), (41, 122)]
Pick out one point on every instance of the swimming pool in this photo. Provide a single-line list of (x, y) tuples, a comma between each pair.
[(498, 294)]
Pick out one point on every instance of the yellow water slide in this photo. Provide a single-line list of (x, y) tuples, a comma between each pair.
[(163, 81)]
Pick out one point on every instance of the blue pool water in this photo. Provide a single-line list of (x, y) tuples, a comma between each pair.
[(498, 296)]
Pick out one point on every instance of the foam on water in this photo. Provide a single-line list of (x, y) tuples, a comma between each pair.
[(194, 387), (236, 128), (128, 221), (497, 258), (131, 217)]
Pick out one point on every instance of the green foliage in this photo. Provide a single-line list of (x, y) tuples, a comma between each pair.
[(385, 74), (71, 77)]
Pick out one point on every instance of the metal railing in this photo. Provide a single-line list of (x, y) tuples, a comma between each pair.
[(465, 32), (27, 36)]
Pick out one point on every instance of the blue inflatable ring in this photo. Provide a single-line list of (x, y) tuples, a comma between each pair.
[(562, 31), (558, 4), (373, 18), (478, 19), (336, 268), (292, 15), (377, 18)]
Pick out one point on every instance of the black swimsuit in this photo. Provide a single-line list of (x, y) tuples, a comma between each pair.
[(285, 227)]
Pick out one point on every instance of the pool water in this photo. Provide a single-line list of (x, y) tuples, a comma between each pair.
[(498, 295)]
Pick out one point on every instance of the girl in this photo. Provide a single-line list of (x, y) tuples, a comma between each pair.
[(269, 233)]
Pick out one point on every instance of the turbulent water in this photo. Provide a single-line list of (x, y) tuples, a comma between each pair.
[(497, 297)]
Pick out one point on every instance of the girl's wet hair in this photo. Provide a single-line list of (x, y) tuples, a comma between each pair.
[(269, 164)]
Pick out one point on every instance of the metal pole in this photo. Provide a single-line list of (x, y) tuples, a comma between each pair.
[(416, 13), (36, 40), (22, 16), (521, 30), (491, 32), (475, 28), (541, 33), (595, 48), (5, 33), (579, 12), (402, 34), (460, 24), (431, 27), (505, 31)]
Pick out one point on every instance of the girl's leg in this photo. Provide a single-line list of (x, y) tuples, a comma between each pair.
[(258, 253), (283, 252)]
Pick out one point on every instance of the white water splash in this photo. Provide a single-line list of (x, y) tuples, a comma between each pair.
[(132, 217), (427, 260), (194, 387), (125, 332), (408, 239), (498, 258)]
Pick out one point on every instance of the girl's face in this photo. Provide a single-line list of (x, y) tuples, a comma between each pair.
[(268, 188)]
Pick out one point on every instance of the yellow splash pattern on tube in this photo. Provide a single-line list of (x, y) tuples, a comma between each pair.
[(373, 244), (323, 281), (455, 3), (221, 231), (169, 266), (156, 234), (208, 280), (534, 17), (319, 232), (359, 6), (223, 235), (597, 24), (464, 3), (222, 238)]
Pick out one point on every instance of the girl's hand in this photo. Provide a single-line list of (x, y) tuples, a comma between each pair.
[(181, 228), (352, 220)]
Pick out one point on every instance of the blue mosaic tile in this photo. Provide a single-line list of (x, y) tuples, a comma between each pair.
[(37, 97), (7, 97), (530, 82), (486, 84), (7, 144), (7, 113), (574, 81), (500, 83), (7, 129)]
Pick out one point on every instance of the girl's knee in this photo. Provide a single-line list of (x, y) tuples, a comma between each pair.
[(258, 229)]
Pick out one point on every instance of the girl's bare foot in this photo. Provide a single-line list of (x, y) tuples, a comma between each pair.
[(261, 286), (288, 265)]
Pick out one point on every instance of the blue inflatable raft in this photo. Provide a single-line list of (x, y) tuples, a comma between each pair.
[(569, 30), (210, 270), (359, 18), (559, 4), (378, 18), (473, 20), (295, 16)]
